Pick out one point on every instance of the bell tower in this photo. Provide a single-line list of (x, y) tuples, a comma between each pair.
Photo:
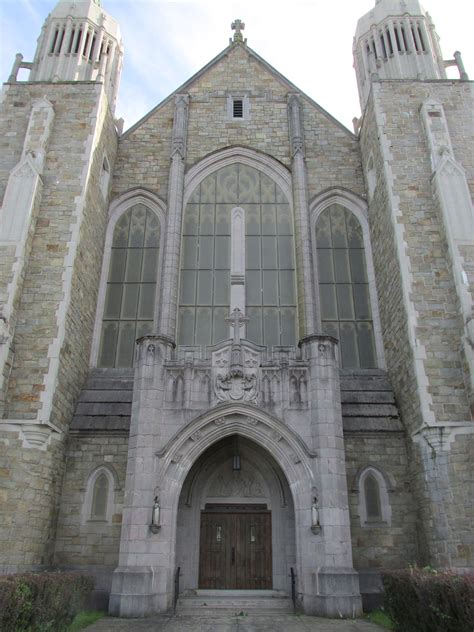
[(79, 41), (60, 143), (415, 147), (396, 40)]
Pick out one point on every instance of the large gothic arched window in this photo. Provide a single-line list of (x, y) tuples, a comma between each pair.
[(211, 230), (343, 286), (131, 286)]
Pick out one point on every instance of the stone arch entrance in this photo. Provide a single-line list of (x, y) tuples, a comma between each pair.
[(236, 521)]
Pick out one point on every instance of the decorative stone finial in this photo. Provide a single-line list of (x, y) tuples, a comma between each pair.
[(236, 320), (238, 26)]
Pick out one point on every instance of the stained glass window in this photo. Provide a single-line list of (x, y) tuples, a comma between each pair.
[(343, 286), (205, 260), (131, 286)]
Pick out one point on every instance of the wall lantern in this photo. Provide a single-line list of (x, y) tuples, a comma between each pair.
[(155, 516)]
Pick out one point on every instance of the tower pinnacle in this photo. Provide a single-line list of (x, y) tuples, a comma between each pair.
[(79, 42)]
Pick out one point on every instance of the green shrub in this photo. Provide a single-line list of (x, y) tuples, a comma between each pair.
[(41, 602), (430, 601)]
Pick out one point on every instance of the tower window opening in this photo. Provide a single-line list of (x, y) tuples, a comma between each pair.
[(55, 39), (384, 49), (61, 39), (238, 108), (414, 39), (404, 38), (71, 40), (78, 41), (422, 41), (397, 37), (84, 50), (101, 51), (91, 54), (389, 40), (374, 48), (107, 52)]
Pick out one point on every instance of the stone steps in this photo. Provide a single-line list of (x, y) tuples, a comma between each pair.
[(234, 602)]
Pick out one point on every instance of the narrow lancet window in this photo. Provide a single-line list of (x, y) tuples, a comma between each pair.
[(372, 498), (343, 286), (99, 498), (131, 286)]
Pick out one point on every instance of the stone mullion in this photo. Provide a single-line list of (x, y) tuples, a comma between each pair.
[(306, 305), (172, 249)]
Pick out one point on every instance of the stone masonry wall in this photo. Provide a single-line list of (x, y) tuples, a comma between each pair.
[(394, 545), (56, 260), (30, 485), (393, 138), (57, 307), (80, 541), (331, 151)]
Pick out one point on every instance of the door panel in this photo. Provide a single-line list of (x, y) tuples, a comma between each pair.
[(235, 550)]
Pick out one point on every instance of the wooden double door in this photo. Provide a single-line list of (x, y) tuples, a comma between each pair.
[(235, 548)]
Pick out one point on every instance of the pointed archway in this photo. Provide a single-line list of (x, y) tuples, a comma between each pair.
[(235, 521)]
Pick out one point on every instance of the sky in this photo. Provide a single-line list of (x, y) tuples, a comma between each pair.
[(166, 42)]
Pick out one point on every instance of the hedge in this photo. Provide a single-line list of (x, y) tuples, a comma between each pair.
[(429, 601), (42, 602)]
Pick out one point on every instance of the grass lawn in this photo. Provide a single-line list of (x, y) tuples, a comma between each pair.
[(83, 619), (382, 618)]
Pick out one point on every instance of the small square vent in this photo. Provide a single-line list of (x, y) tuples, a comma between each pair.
[(237, 108)]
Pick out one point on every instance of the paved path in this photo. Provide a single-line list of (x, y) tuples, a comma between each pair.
[(232, 623)]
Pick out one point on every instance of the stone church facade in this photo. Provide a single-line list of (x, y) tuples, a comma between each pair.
[(236, 339)]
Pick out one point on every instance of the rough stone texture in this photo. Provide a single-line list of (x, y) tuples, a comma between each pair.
[(57, 307), (420, 321), (143, 158), (30, 487), (82, 543)]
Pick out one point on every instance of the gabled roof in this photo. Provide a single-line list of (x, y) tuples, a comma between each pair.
[(268, 67)]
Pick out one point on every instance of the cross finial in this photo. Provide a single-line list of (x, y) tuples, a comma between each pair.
[(236, 320), (238, 26)]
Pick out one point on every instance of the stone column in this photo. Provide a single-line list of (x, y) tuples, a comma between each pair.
[(171, 255), (328, 581), (142, 583), (304, 264)]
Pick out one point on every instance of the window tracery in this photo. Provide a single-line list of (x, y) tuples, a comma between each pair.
[(346, 311), (131, 285), (208, 290)]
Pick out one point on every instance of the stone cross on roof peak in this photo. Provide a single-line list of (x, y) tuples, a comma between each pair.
[(238, 26)]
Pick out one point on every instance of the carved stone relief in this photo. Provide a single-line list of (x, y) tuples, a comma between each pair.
[(236, 485)]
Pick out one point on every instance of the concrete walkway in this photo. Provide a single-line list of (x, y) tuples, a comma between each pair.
[(233, 623)]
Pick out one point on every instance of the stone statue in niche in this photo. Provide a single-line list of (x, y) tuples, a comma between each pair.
[(237, 486)]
